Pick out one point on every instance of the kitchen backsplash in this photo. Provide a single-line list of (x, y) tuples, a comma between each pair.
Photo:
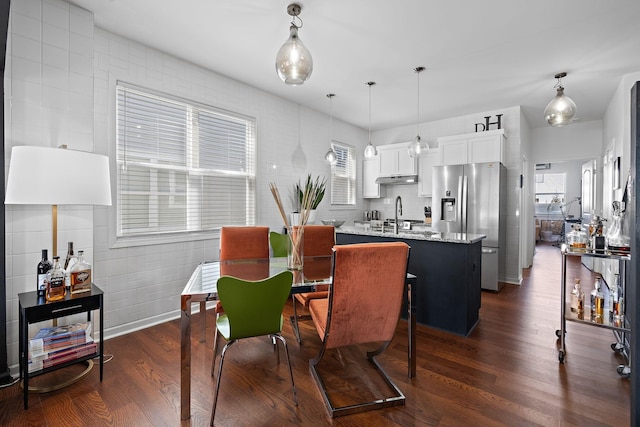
[(412, 205)]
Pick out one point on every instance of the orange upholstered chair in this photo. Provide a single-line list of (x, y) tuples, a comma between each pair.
[(318, 240), (363, 307), (244, 242)]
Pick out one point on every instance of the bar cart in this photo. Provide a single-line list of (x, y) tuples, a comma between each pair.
[(620, 327)]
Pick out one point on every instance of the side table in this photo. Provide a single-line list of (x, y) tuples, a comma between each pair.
[(35, 309)]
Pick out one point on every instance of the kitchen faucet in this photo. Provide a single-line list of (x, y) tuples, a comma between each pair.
[(395, 223)]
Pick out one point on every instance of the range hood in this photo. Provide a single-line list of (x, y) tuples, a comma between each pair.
[(397, 179)]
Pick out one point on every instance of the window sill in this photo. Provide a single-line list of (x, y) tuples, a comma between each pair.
[(128, 242)]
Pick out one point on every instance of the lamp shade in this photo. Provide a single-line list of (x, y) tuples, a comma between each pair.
[(57, 176), (560, 110)]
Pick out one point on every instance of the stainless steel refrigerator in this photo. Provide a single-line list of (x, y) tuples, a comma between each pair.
[(471, 199)]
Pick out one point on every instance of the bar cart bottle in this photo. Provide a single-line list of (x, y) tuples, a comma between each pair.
[(56, 289), (617, 242), (577, 239), (43, 267), (80, 275), (577, 298)]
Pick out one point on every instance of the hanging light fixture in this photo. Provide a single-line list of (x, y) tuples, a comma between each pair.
[(561, 109), (331, 158), (370, 150), (293, 61), (418, 147)]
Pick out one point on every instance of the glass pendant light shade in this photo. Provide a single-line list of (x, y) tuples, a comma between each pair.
[(560, 110), (418, 147), (331, 158), (370, 151), (293, 61)]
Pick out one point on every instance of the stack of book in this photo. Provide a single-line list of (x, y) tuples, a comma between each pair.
[(60, 344)]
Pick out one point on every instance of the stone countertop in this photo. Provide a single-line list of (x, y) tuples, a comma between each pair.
[(464, 238)]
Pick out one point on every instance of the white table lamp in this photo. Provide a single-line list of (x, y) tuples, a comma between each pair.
[(57, 176)]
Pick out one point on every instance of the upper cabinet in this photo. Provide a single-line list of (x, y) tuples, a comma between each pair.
[(370, 171), (425, 172), (479, 147), (395, 160)]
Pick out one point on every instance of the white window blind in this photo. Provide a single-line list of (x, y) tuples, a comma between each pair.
[(343, 175), (182, 167)]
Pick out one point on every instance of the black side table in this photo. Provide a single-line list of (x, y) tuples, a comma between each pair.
[(34, 309)]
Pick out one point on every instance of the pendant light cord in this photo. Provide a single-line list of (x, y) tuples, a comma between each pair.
[(418, 70)]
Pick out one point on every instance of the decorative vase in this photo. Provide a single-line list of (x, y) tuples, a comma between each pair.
[(295, 248)]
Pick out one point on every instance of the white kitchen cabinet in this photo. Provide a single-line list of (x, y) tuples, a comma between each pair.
[(370, 171), (479, 147), (395, 160), (425, 172)]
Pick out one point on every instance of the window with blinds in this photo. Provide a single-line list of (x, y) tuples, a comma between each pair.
[(343, 175), (182, 167)]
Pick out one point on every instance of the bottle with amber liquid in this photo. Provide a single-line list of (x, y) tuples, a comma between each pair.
[(56, 289), (69, 262), (80, 275)]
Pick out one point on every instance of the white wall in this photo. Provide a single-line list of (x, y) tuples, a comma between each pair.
[(60, 80), (580, 140)]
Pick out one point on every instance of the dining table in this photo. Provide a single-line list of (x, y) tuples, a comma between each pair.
[(202, 287)]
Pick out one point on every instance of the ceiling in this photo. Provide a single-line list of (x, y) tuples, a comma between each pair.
[(480, 55)]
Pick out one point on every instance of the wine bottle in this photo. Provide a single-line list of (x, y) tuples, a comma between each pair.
[(69, 262), (43, 267)]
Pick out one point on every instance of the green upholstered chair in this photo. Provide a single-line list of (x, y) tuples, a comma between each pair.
[(279, 243), (364, 275), (251, 309)]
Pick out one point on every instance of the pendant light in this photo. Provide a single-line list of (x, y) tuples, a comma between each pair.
[(418, 147), (561, 109), (370, 150), (293, 61), (331, 158)]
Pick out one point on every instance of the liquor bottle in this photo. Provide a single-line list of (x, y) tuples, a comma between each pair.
[(575, 296), (43, 267), (55, 284), (80, 275), (69, 262), (599, 298), (614, 311)]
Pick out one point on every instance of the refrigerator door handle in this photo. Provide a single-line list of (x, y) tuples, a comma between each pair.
[(463, 205)]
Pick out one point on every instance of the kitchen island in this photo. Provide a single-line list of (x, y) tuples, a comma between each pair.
[(448, 269)]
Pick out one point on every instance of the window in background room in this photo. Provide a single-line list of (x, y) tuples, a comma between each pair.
[(182, 167), (343, 175), (550, 194)]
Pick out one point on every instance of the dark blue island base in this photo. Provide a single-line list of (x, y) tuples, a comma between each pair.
[(448, 271)]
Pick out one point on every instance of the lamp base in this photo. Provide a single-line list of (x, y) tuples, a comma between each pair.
[(47, 387)]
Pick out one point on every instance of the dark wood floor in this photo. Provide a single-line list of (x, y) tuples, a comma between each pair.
[(506, 373)]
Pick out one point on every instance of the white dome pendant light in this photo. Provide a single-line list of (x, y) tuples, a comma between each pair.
[(331, 158), (418, 147), (561, 109), (293, 61), (370, 150)]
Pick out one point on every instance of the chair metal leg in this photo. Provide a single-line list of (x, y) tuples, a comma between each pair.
[(286, 352), (294, 320), (396, 400), (215, 396), (215, 351)]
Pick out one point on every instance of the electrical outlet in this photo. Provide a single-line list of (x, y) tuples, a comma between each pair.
[(387, 201)]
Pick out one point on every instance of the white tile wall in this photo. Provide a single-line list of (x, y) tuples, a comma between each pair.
[(42, 110)]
